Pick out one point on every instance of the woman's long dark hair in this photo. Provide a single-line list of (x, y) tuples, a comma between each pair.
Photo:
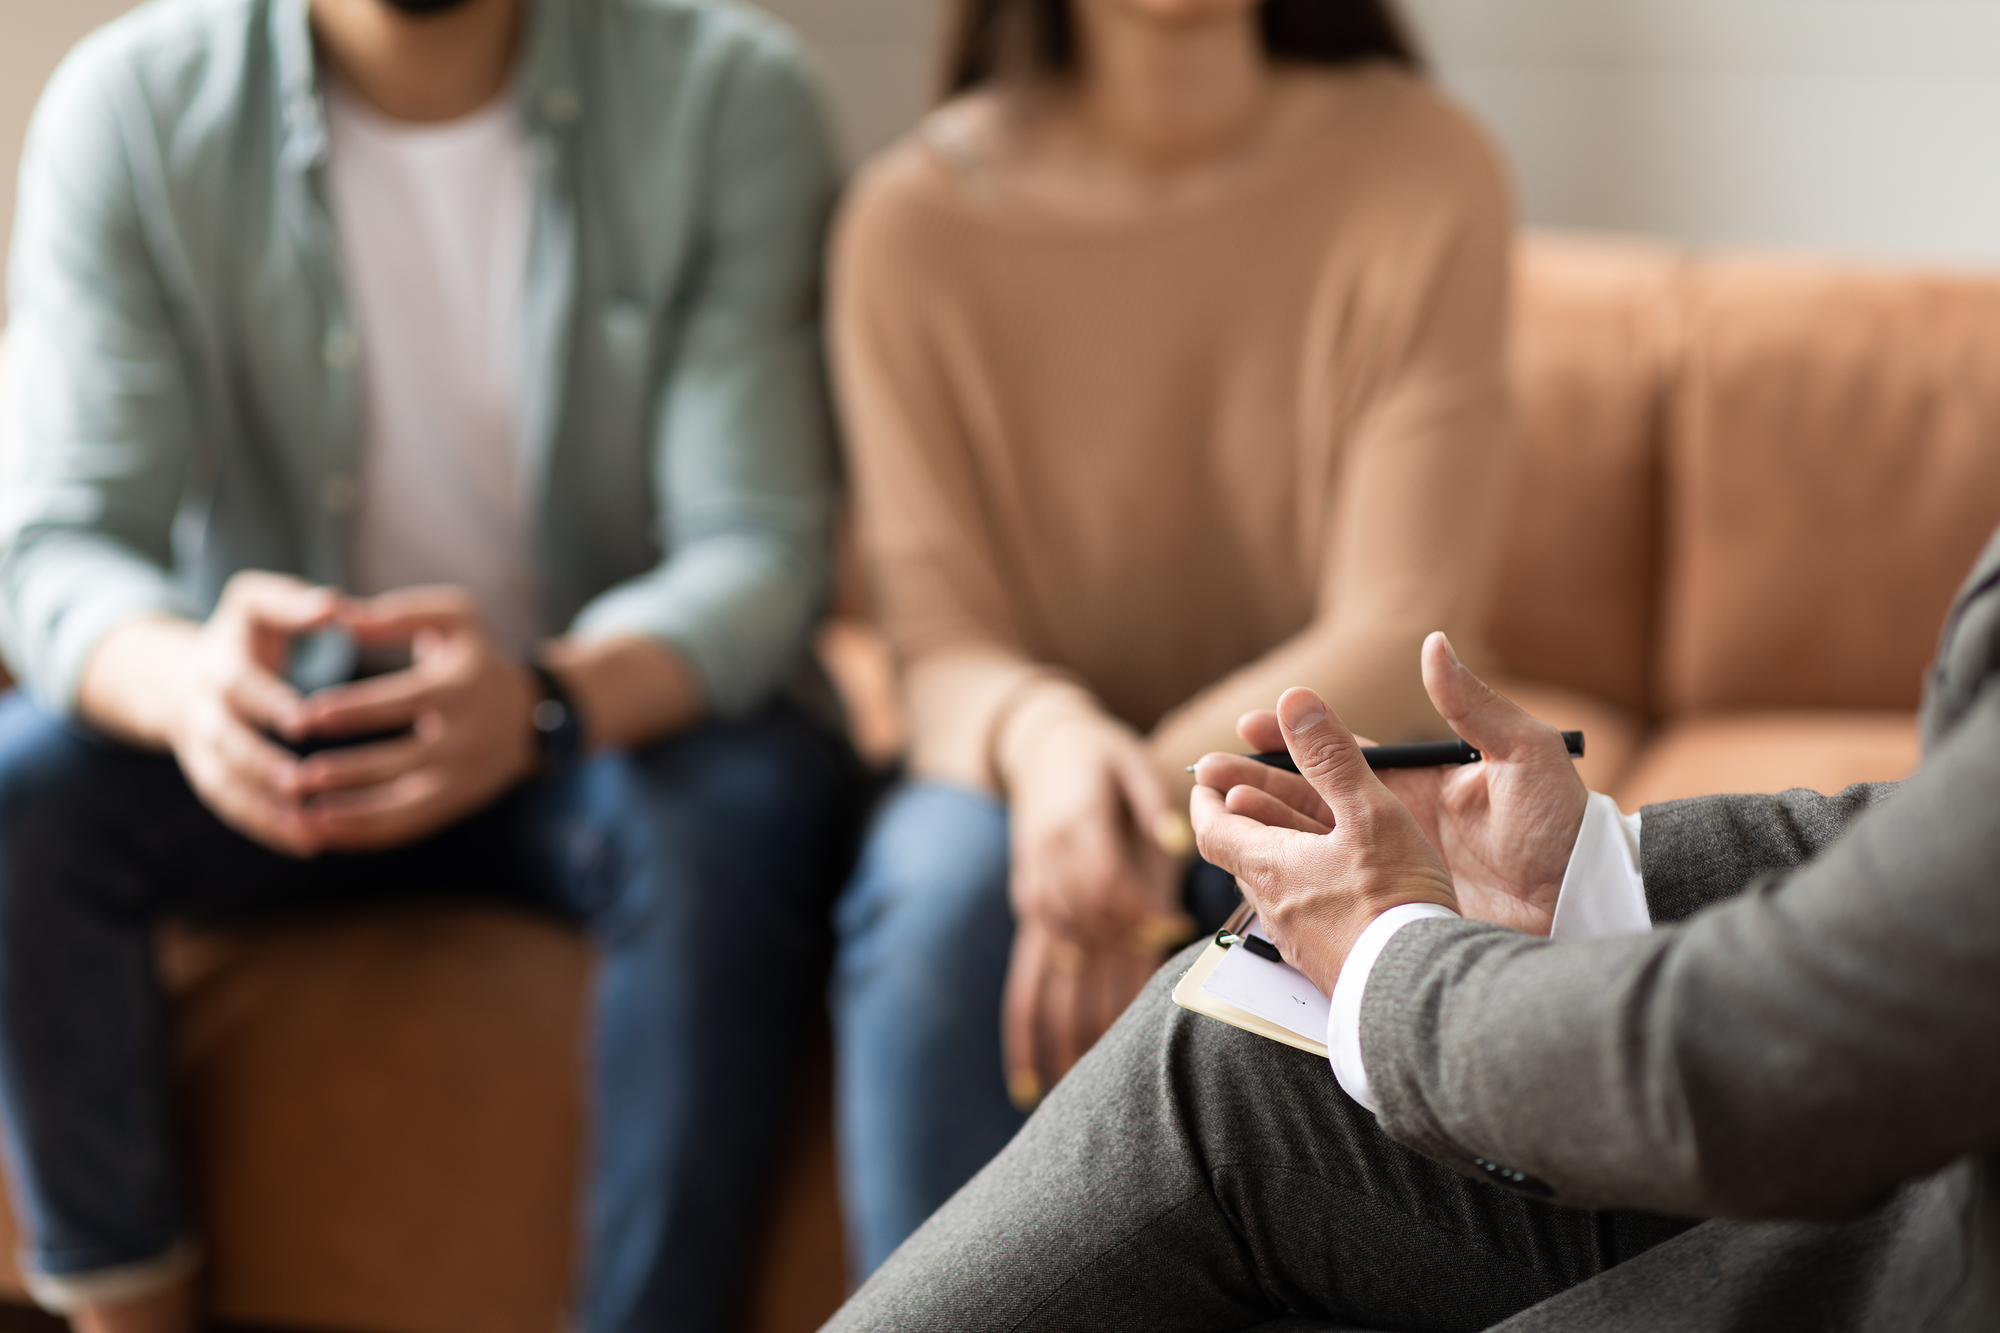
[(992, 38)]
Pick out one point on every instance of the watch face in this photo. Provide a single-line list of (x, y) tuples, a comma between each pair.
[(549, 716), (558, 730)]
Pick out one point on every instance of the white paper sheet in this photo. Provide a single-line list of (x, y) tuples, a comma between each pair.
[(1269, 990)]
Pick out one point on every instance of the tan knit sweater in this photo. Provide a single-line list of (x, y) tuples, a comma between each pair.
[(1173, 461)]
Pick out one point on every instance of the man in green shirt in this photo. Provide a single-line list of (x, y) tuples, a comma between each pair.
[(419, 480)]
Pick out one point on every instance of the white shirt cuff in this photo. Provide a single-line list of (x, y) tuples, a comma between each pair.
[(1602, 890), (1343, 1019), (1602, 894)]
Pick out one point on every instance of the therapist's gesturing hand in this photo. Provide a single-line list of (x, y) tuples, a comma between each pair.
[(1505, 827), (1315, 892)]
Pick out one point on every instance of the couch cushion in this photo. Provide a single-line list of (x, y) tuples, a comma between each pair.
[(1770, 751), (383, 1113), (1833, 466), (1574, 602), (386, 1115)]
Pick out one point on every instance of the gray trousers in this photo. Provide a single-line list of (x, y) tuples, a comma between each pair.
[(1188, 1175)]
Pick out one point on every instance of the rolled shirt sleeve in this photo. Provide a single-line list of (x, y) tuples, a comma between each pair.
[(99, 422), (743, 434)]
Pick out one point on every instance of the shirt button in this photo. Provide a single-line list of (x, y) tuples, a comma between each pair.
[(339, 493), (342, 347), (561, 105)]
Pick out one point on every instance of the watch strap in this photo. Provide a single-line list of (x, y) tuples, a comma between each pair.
[(558, 729)]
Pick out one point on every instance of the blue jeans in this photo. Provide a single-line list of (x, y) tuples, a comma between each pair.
[(737, 827), (924, 932)]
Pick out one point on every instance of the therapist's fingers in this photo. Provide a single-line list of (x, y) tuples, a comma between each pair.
[(1261, 731), (1492, 723), (1255, 803), (1327, 753), (1246, 848), (1224, 772)]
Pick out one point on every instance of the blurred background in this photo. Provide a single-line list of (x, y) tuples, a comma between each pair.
[(1771, 475), (1861, 127)]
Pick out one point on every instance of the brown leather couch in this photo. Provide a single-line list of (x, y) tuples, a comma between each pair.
[(1751, 486)]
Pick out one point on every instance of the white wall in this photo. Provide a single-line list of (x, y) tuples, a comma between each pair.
[(1860, 126), (34, 34), (879, 59), (1869, 127)]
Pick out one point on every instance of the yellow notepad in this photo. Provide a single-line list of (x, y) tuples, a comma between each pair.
[(1270, 999)]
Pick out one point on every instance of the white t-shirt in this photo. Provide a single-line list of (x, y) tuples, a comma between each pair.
[(434, 225)]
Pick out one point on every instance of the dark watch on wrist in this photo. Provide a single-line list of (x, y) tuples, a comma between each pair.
[(558, 729)]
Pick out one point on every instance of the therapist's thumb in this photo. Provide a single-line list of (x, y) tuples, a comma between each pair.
[(1324, 749), (1492, 723)]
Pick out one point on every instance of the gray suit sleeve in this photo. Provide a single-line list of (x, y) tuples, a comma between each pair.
[(1796, 1051), (1697, 852)]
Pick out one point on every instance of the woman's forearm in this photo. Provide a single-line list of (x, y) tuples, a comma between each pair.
[(1370, 675)]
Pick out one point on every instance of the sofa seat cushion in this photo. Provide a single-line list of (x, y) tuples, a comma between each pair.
[(1766, 751), (384, 1117)]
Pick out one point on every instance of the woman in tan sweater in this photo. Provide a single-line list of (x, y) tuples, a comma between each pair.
[(1170, 356)]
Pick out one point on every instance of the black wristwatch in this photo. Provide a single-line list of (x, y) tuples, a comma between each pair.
[(558, 729)]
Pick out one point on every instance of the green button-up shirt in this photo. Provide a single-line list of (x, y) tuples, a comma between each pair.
[(183, 372)]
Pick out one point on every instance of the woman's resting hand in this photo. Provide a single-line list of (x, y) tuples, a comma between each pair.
[(1095, 900)]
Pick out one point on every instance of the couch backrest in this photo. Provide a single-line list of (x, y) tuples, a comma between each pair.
[(1832, 468), (1592, 345), (1748, 482)]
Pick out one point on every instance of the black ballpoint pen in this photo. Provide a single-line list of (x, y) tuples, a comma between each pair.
[(1424, 754)]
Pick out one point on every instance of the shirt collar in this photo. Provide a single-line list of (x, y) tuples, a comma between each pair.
[(303, 121), (545, 76)]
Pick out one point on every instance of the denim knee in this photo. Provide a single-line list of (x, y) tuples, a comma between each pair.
[(925, 931), (60, 790), (931, 882), (728, 824), (45, 765)]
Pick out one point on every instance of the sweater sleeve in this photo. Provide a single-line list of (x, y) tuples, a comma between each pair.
[(1411, 345), (938, 588)]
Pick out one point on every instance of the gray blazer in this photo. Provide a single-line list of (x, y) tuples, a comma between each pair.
[(1808, 1044)]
